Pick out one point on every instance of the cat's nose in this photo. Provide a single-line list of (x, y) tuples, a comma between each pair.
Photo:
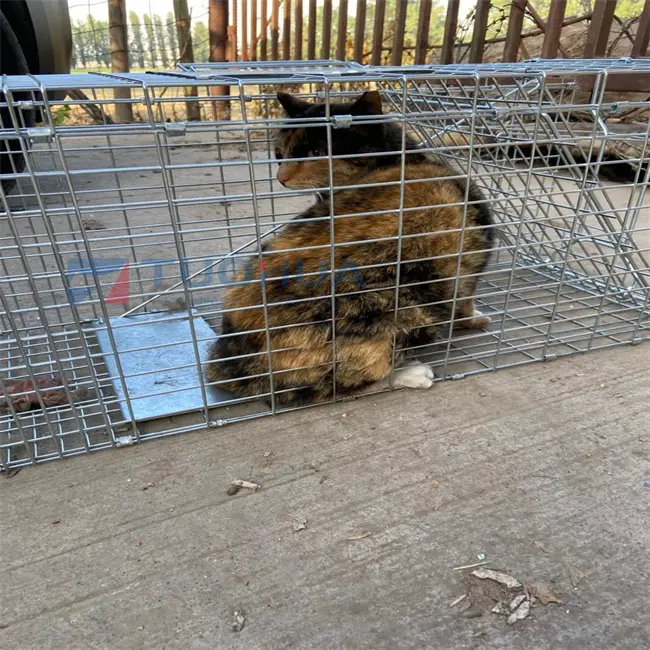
[(284, 173)]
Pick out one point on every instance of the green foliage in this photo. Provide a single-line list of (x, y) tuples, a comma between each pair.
[(80, 44), (162, 40), (201, 42), (136, 44), (60, 114), (151, 39), (91, 42), (172, 36)]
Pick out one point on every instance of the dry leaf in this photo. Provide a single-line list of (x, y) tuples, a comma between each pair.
[(520, 613), (516, 601), (23, 396), (497, 576), (543, 593)]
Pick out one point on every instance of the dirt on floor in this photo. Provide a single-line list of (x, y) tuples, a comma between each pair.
[(364, 513)]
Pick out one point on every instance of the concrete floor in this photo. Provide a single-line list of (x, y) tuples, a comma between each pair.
[(541, 468)]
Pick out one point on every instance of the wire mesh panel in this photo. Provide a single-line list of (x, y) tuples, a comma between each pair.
[(314, 236)]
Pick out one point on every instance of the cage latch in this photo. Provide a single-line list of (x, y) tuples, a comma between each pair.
[(341, 121), (176, 128), (40, 134)]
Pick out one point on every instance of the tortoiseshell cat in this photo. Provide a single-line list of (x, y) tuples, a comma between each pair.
[(296, 263)]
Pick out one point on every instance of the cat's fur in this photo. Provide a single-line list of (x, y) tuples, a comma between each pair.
[(300, 308)]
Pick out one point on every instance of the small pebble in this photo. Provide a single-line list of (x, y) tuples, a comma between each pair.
[(232, 490)]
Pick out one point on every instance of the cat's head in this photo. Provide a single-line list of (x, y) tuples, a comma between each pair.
[(311, 142)]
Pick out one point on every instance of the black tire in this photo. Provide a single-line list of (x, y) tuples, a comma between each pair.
[(13, 62)]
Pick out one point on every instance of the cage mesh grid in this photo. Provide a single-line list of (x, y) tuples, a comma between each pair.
[(109, 222)]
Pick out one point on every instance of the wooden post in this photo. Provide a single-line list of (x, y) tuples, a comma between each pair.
[(642, 37), (232, 33), (360, 31), (218, 26), (480, 27), (253, 30), (342, 36), (311, 31), (119, 55), (286, 30), (422, 37), (378, 36), (275, 30), (513, 35), (601, 24), (553, 29), (449, 38), (297, 48), (400, 27), (327, 29), (244, 30), (264, 30), (186, 54)]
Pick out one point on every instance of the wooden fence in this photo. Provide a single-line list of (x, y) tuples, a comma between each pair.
[(281, 22), (262, 30)]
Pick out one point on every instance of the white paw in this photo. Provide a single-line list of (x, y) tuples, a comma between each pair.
[(478, 321), (418, 375)]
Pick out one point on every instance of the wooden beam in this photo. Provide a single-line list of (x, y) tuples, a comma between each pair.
[(299, 16), (232, 33), (553, 29), (378, 29), (342, 35), (244, 30), (601, 24), (480, 28), (327, 30), (640, 45), (449, 38), (275, 30), (422, 36), (360, 31), (311, 31), (119, 56), (286, 30), (253, 40), (264, 30), (513, 34), (218, 27), (400, 27)]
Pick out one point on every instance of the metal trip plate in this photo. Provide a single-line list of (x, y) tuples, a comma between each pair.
[(160, 381)]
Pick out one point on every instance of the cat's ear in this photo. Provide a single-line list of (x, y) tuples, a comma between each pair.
[(368, 104), (292, 105)]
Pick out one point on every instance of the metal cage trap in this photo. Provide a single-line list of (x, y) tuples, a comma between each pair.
[(118, 240)]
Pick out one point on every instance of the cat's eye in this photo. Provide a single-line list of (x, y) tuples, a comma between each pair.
[(317, 153), (278, 154)]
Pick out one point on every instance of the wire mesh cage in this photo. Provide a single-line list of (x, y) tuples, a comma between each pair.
[(128, 249)]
